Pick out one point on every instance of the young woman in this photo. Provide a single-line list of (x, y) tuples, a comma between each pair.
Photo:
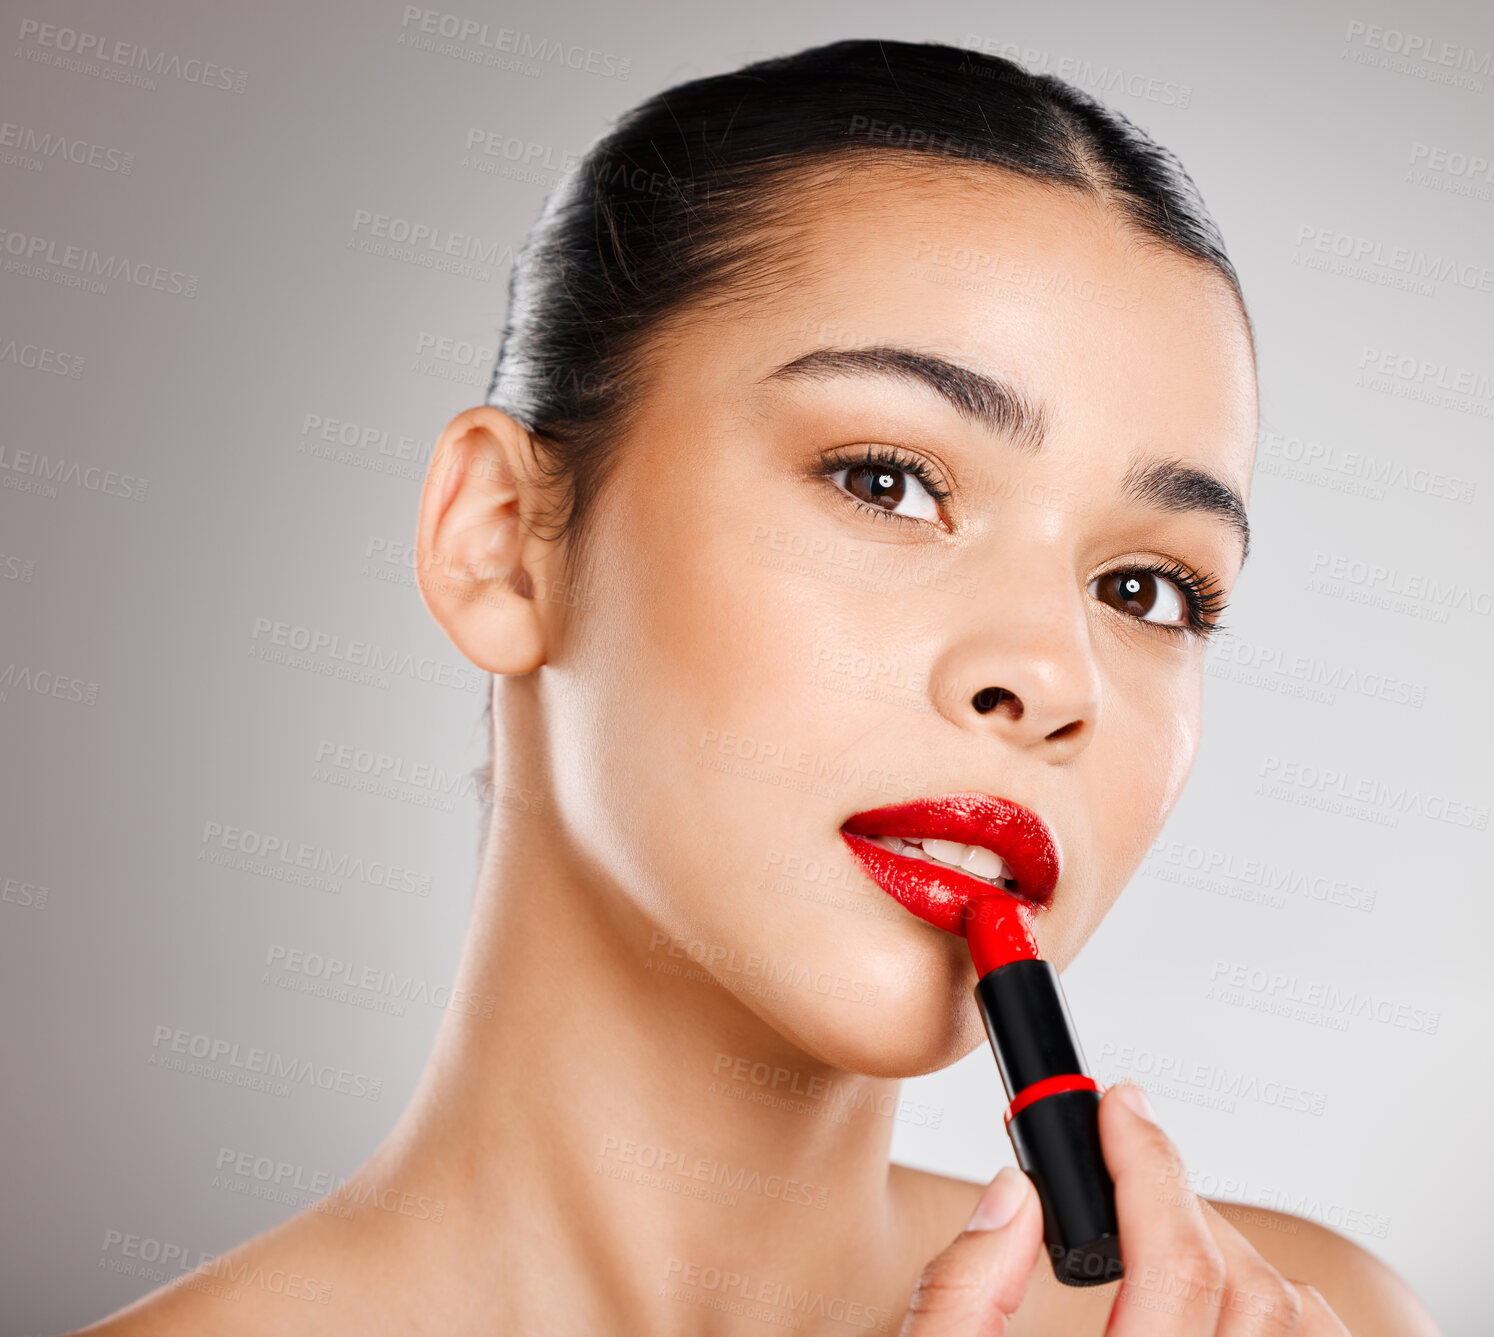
[(877, 364)]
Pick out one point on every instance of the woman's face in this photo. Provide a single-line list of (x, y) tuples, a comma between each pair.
[(766, 646)]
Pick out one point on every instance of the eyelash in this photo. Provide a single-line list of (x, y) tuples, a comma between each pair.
[(889, 457), (1202, 596)]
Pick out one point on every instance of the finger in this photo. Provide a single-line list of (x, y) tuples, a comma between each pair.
[(1256, 1300), (976, 1284), (1175, 1270), (1317, 1319)]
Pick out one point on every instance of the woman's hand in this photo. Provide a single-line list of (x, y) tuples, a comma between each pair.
[(975, 1285), (1189, 1273)]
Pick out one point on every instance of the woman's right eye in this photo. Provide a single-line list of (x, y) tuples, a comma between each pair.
[(887, 487)]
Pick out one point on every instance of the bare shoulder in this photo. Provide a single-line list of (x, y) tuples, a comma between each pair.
[(1367, 1295), (167, 1311), (281, 1281), (344, 1264)]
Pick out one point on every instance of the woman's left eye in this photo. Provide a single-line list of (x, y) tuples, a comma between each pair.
[(1144, 595), (887, 488)]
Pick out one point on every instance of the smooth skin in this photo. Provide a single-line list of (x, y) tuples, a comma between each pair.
[(686, 713)]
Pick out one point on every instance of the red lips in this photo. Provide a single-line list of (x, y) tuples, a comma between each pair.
[(938, 894)]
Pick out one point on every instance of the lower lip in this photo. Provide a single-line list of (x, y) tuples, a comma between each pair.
[(937, 894)]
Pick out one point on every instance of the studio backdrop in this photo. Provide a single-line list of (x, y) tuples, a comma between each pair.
[(254, 257)]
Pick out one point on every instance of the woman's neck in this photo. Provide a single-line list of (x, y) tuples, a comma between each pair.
[(599, 1108)]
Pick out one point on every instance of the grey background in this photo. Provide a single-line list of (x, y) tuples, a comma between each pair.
[(1298, 127)]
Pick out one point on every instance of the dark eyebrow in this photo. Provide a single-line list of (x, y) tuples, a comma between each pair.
[(1167, 484), (1171, 485), (994, 404)]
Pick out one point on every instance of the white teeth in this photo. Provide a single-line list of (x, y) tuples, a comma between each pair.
[(983, 863), (973, 859)]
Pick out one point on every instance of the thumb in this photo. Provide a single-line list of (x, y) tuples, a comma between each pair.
[(976, 1284)]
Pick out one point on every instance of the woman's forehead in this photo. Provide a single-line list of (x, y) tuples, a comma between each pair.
[(1040, 288)]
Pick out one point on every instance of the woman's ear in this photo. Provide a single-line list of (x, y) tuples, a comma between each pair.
[(473, 545)]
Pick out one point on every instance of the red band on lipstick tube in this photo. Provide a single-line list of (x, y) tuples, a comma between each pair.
[(1049, 1086), (1053, 1114)]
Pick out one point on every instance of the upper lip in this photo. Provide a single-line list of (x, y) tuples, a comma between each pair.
[(1016, 833)]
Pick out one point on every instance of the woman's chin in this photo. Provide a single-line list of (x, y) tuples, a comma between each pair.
[(916, 1044), (905, 1024)]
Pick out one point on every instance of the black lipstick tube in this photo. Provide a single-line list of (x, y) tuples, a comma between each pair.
[(1053, 1118)]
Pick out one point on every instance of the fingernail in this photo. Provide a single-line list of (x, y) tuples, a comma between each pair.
[(999, 1203), (1135, 1100)]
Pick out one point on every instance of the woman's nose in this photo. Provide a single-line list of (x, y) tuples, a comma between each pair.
[(1026, 675)]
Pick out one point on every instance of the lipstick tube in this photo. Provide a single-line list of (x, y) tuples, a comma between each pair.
[(1053, 1117)]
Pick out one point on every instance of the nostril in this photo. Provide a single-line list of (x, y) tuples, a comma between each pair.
[(991, 698), (1066, 731)]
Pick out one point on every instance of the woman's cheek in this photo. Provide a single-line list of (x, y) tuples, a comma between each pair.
[(1152, 766), (685, 694)]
